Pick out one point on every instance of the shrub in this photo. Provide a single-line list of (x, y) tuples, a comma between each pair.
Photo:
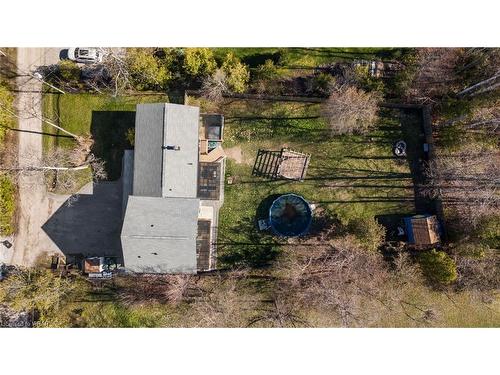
[(438, 267), (471, 250), (237, 73), (368, 232), (6, 100), (367, 81), (404, 78), (452, 108), (321, 84), (488, 231), (267, 71), (7, 205), (37, 290), (199, 62), (146, 70), (69, 71)]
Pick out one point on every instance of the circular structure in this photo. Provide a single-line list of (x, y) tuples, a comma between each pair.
[(290, 215), (399, 149)]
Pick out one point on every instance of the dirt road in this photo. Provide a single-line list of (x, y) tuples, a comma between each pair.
[(35, 204)]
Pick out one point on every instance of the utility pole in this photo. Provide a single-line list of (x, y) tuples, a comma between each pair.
[(35, 75), (39, 77)]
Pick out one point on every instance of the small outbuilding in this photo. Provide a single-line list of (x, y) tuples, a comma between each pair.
[(422, 230)]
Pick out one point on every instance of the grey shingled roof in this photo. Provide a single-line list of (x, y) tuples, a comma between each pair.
[(159, 171), (159, 234)]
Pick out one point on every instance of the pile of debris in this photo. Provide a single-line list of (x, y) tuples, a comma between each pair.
[(14, 319)]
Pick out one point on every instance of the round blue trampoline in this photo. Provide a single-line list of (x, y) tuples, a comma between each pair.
[(290, 215)]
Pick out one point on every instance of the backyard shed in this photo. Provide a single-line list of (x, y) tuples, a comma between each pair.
[(422, 230)]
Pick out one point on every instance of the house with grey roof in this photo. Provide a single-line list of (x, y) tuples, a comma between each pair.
[(173, 188)]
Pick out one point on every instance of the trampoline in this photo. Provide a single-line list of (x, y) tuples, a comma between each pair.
[(290, 215)]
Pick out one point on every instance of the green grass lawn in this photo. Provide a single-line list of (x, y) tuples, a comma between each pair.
[(293, 62), (349, 176), (306, 57), (7, 205), (7, 140), (104, 118)]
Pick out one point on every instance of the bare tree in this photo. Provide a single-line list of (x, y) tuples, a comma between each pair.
[(147, 289), (226, 303), (484, 117), (435, 74), (214, 86), (64, 162), (339, 278), (279, 311), (116, 74), (467, 182), (486, 85), (479, 274), (336, 283), (481, 68), (351, 110)]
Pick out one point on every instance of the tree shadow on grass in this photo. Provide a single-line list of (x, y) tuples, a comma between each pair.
[(413, 133), (391, 222), (244, 244), (260, 58), (109, 131)]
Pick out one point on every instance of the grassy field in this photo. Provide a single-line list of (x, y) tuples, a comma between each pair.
[(306, 57), (103, 306), (349, 177), (7, 205), (298, 62), (105, 118), (7, 139)]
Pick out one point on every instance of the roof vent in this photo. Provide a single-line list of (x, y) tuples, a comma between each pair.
[(174, 148)]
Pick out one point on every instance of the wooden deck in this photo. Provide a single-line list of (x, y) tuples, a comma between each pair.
[(285, 163)]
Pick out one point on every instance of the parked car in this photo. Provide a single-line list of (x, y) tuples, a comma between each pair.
[(85, 55)]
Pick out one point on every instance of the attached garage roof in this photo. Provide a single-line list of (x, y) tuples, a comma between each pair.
[(159, 234)]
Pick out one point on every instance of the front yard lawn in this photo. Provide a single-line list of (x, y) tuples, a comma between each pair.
[(105, 118)]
